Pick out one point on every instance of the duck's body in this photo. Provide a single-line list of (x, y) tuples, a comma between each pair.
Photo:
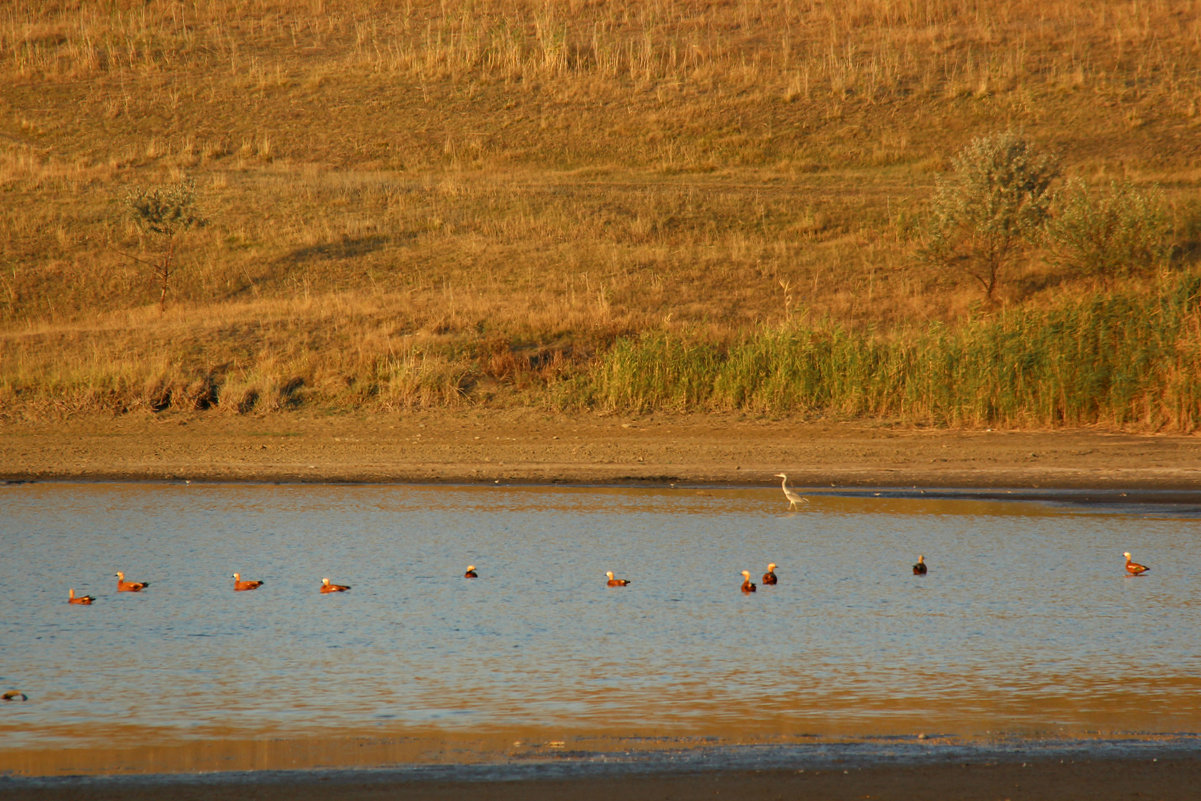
[(243, 586), (1134, 568), (770, 576), (471, 572), (747, 584), (82, 600), (920, 568), (130, 586), (616, 582), (14, 695), (327, 587), (793, 498)]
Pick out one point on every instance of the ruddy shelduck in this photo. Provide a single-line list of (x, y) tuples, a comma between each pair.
[(82, 600), (1134, 568), (747, 584), (242, 586), (616, 582), (471, 572), (130, 586), (919, 569), (770, 576), (327, 587)]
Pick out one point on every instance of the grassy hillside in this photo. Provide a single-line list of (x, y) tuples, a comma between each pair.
[(425, 203)]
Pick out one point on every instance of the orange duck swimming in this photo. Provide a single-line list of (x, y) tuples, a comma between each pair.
[(327, 587), (770, 576), (747, 584), (616, 582), (83, 600), (920, 568), (243, 586), (130, 586), (1134, 568), (471, 572)]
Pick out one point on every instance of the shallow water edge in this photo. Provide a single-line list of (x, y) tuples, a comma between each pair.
[(483, 759), (1169, 497)]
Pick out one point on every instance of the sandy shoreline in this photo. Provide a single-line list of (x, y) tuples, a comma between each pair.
[(484, 446), (1166, 777)]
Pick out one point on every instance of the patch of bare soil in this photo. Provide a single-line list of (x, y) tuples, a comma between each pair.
[(523, 446), (1166, 779)]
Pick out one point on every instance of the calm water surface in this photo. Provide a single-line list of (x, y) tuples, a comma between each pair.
[(1025, 626)]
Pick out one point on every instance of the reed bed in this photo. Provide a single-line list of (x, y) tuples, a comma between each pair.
[(1119, 361), (1125, 360)]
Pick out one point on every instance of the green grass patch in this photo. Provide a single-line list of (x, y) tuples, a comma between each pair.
[(1115, 360)]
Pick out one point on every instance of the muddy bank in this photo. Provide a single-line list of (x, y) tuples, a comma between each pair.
[(522, 446), (1164, 778)]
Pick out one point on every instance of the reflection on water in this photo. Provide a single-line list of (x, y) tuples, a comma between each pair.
[(1026, 624)]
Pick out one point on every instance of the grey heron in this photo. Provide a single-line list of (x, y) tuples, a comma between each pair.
[(793, 498)]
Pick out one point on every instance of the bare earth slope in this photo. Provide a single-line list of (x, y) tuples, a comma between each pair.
[(522, 446)]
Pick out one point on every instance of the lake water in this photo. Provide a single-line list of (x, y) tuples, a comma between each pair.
[(1026, 626)]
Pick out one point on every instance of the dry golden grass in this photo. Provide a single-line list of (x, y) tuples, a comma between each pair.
[(428, 202)]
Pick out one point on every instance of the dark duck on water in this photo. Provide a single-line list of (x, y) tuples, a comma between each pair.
[(747, 584)]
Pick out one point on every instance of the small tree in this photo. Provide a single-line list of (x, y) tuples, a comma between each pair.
[(164, 212), (992, 204), (1109, 232)]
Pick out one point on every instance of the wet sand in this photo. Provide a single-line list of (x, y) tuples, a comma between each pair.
[(1166, 778), (522, 446)]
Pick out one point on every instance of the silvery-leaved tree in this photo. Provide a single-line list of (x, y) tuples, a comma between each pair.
[(990, 207), (1109, 232), (164, 212)]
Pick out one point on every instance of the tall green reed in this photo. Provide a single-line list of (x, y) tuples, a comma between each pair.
[(1116, 360)]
